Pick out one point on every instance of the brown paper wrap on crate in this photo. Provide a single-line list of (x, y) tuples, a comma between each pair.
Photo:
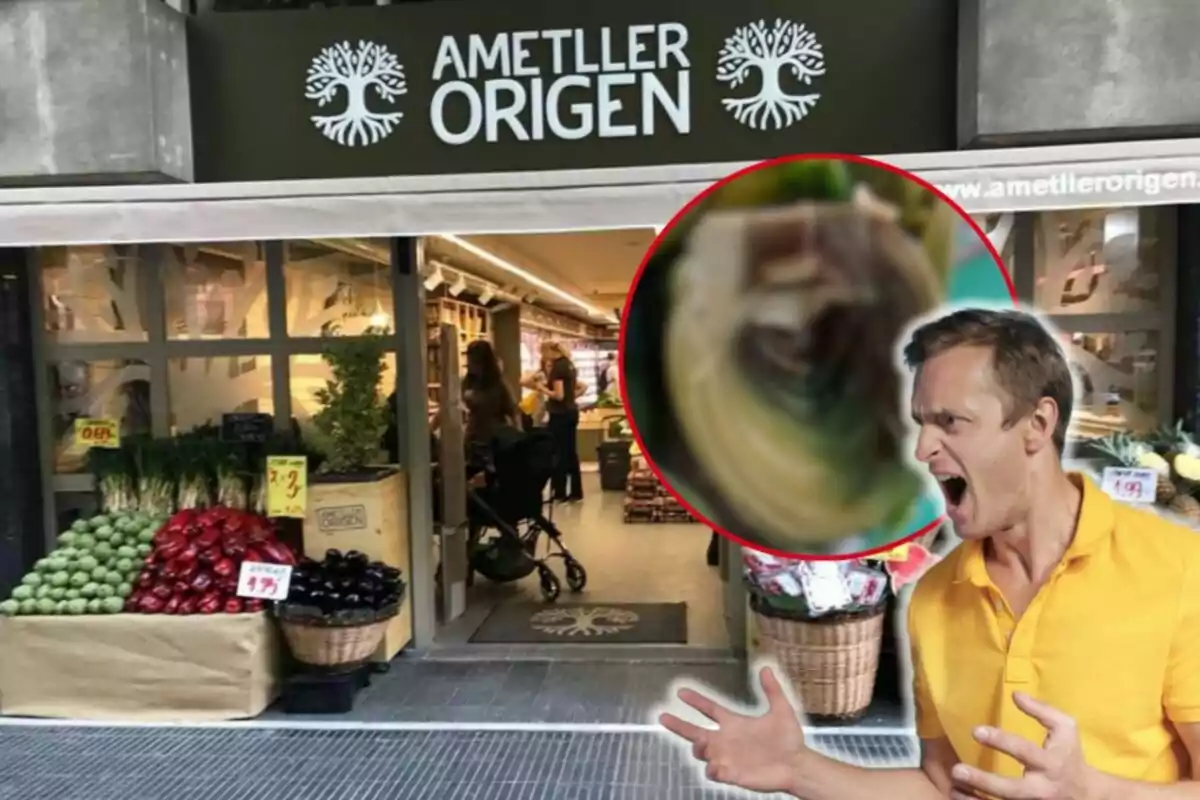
[(139, 667), (831, 663)]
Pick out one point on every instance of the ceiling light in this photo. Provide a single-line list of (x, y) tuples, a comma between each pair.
[(380, 319), (523, 274), (486, 295), (459, 286), (435, 279)]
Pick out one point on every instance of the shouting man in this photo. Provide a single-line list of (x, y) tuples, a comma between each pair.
[(1056, 652)]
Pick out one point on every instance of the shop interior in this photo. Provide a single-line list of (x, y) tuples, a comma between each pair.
[(637, 545)]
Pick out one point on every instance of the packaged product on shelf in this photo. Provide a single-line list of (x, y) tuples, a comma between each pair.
[(639, 511)]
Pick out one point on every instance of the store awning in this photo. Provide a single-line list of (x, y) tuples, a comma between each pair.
[(1019, 179)]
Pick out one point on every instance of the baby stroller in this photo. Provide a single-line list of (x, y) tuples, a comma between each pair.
[(512, 505)]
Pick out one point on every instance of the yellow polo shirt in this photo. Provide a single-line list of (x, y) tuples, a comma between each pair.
[(1113, 639)]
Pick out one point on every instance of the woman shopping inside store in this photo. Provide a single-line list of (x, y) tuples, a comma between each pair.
[(561, 386), (490, 405)]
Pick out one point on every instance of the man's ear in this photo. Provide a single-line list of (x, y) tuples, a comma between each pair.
[(1041, 425)]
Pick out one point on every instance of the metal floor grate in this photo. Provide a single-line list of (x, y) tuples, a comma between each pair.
[(66, 763)]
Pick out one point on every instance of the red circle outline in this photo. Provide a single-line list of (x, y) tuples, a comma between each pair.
[(637, 278)]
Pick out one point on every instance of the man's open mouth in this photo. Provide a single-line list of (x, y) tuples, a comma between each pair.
[(954, 487)]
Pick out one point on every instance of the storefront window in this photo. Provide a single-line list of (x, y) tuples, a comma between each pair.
[(337, 290), (202, 389), (1099, 261), (1103, 277), (216, 291), (118, 390), (310, 373), (91, 294), (1117, 376)]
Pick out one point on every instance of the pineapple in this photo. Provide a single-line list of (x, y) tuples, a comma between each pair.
[(1125, 451), (1186, 506), (1182, 453)]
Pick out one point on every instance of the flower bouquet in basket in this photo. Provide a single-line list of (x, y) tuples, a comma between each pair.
[(812, 591), (338, 608), (822, 621)]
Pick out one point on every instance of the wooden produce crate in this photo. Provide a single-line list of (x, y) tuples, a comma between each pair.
[(369, 515)]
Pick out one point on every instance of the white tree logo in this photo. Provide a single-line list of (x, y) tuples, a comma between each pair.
[(583, 621), (356, 69), (770, 50)]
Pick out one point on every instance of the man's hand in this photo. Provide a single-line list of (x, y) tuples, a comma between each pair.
[(758, 753), (1054, 771)]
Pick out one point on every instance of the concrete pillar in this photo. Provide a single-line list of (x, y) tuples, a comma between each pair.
[(22, 532), (1033, 72), (506, 340), (93, 91)]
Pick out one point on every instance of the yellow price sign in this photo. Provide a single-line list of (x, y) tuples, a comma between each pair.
[(287, 486), (97, 432)]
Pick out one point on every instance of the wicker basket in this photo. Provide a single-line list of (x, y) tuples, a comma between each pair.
[(325, 646), (831, 663)]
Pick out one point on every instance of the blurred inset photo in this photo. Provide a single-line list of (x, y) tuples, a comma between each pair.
[(759, 350)]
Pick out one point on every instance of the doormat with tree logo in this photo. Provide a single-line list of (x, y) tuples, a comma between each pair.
[(585, 623)]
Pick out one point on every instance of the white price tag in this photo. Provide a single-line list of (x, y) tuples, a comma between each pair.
[(1131, 485), (264, 581)]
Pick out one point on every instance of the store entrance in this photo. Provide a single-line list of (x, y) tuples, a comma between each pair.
[(629, 565)]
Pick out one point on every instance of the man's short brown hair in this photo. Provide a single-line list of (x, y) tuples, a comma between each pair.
[(1029, 364)]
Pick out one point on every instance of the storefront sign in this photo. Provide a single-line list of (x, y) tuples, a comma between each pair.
[(537, 85), (1068, 186), (507, 94), (96, 432), (342, 518), (287, 486)]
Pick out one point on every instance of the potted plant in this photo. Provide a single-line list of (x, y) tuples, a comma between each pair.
[(355, 501), (353, 417)]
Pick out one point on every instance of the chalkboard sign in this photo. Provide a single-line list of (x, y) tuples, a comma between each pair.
[(247, 427)]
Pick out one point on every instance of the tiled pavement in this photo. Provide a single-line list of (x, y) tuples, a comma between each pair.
[(401, 753), (527, 691), (427, 690), (45, 763)]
